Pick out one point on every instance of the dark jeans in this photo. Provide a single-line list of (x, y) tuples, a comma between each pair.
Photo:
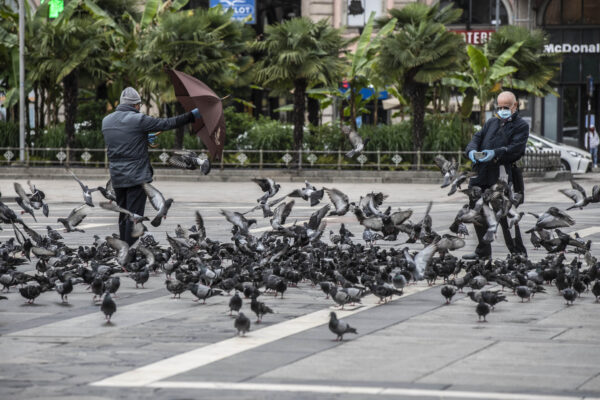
[(514, 245), (132, 199)]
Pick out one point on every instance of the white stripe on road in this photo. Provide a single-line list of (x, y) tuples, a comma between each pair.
[(202, 356), (587, 231), (364, 390)]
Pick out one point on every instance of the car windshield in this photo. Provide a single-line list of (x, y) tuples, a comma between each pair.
[(537, 138)]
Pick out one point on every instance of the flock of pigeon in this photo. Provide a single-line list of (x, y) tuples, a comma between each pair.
[(344, 268)]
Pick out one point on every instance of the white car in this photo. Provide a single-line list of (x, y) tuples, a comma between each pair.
[(573, 159)]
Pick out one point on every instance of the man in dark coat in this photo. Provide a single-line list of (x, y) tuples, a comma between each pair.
[(127, 133), (502, 140)]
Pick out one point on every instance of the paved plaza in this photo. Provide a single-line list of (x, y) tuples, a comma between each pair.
[(414, 347)]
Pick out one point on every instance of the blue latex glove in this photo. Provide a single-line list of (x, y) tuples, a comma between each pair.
[(196, 113), (151, 138), (489, 155), (472, 156)]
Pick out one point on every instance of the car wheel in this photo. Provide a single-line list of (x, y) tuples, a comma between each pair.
[(564, 166)]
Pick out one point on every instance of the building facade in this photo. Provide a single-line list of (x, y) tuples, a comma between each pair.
[(573, 27)]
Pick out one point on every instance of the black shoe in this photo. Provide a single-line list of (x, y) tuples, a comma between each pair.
[(475, 256)]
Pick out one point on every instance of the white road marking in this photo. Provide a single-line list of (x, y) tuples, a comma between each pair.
[(365, 390), (587, 231), (202, 356)]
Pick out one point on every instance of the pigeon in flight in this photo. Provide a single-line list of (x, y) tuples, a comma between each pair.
[(77, 215), (579, 196), (108, 191), (87, 192), (268, 186), (190, 160), (308, 193), (340, 201), (448, 169), (158, 202), (358, 144)]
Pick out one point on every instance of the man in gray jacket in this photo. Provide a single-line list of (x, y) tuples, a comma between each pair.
[(127, 133)]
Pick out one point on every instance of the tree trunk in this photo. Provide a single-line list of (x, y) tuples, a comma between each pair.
[(70, 86), (418, 99), (482, 103), (299, 108), (42, 118), (353, 109), (375, 108), (313, 111), (36, 109)]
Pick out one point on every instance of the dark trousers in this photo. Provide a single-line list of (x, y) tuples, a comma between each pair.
[(132, 199), (514, 245)]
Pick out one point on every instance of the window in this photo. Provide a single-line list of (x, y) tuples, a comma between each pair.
[(591, 12), (483, 12), (572, 12), (368, 6)]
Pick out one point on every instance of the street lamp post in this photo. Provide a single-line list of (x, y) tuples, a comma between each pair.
[(22, 80)]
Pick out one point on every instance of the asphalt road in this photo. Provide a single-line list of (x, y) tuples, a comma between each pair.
[(414, 347)]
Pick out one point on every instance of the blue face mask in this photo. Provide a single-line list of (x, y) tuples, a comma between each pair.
[(504, 114)]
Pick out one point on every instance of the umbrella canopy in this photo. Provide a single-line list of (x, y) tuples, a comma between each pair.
[(192, 93)]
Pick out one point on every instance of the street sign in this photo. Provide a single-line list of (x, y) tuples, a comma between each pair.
[(241, 9), (55, 8), (475, 36)]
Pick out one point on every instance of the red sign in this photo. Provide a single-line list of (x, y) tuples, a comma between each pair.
[(476, 36)]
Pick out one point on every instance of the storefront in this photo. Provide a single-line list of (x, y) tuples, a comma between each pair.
[(574, 30)]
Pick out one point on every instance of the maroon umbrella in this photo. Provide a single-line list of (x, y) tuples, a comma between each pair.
[(192, 93)]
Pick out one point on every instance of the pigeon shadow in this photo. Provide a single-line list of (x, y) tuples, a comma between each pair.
[(32, 305), (62, 304)]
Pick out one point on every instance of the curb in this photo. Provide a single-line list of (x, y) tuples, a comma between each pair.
[(243, 175)]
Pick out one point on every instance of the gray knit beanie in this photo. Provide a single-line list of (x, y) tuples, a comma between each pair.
[(130, 96)]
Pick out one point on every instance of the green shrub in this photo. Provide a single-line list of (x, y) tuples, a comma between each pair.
[(236, 124), (92, 111), (446, 133), (9, 134), (266, 134), (325, 137), (52, 136), (395, 137), (89, 139)]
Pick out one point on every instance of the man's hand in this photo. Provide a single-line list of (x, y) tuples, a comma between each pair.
[(152, 139), (489, 155), (472, 156), (196, 113)]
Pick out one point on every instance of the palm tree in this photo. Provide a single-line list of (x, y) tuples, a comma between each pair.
[(361, 72), (298, 54), (535, 68), (204, 43), (72, 45), (419, 53), (483, 78)]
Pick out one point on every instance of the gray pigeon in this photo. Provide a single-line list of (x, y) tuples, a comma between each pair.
[(190, 160), (87, 192), (158, 202), (339, 327), (482, 309), (358, 144), (242, 324), (235, 303), (108, 307), (203, 292), (77, 215)]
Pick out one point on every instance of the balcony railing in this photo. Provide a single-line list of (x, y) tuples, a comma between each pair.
[(532, 161)]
